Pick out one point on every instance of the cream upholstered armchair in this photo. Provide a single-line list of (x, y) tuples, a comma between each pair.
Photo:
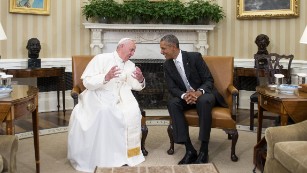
[(79, 63), (8, 152), (222, 69), (286, 148)]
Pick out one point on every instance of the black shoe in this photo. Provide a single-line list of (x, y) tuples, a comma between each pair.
[(202, 158), (189, 157)]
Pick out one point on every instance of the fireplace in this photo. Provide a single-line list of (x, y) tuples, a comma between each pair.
[(155, 94)]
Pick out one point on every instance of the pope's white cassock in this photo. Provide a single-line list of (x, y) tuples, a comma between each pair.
[(105, 125)]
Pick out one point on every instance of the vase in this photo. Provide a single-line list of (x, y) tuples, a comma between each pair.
[(167, 20), (202, 21), (136, 20), (103, 20)]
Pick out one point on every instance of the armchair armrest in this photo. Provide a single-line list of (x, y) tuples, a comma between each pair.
[(74, 94), (234, 92), (294, 132)]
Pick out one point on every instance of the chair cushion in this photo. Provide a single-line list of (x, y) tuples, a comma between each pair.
[(292, 155), (221, 118), (254, 97)]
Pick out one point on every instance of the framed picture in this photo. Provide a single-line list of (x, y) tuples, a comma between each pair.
[(253, 9), (41, 7)]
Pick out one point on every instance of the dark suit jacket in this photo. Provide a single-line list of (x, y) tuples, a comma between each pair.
[(197, 73)]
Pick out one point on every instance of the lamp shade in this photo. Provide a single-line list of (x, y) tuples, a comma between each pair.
[(2, 34), (304, 37)]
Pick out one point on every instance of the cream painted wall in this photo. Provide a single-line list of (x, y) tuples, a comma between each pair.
[(62, 33)]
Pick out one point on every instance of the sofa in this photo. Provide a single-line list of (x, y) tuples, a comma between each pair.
[(286, 148), (8, 151)]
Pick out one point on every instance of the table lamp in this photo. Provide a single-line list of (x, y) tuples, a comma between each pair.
[(304, 41), (2, 34), (304, 37)]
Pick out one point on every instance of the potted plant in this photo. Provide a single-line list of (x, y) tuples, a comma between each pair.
[(165, 11), (216, 13), (102, 10), (169, 11), (202, 12), (137, 11)]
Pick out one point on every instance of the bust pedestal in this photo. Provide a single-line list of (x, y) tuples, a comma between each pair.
[(34, 63)]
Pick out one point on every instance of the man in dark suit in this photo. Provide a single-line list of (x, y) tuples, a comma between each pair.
[(193, 89)]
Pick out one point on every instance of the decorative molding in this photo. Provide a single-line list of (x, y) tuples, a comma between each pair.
[(104, 34), (129, 27)]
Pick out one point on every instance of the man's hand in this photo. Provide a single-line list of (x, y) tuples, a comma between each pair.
[(192, 96), (113, 73), (138, 75)]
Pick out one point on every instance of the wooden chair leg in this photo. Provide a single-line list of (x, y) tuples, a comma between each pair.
[(229, 136), (144, 136), (144, 133), (170, 135), (234, 136), (251, 116)]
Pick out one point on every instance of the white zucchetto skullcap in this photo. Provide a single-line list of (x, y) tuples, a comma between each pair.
[(123, 40)]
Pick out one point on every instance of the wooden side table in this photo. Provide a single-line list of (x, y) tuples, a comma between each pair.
[(22, 101), (58, 72)]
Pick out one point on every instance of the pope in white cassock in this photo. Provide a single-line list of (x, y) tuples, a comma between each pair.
[(105, 125)]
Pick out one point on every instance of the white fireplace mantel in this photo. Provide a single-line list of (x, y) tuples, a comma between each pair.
[(105, 36)]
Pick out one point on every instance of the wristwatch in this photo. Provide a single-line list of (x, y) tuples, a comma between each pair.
[(201, 90)]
